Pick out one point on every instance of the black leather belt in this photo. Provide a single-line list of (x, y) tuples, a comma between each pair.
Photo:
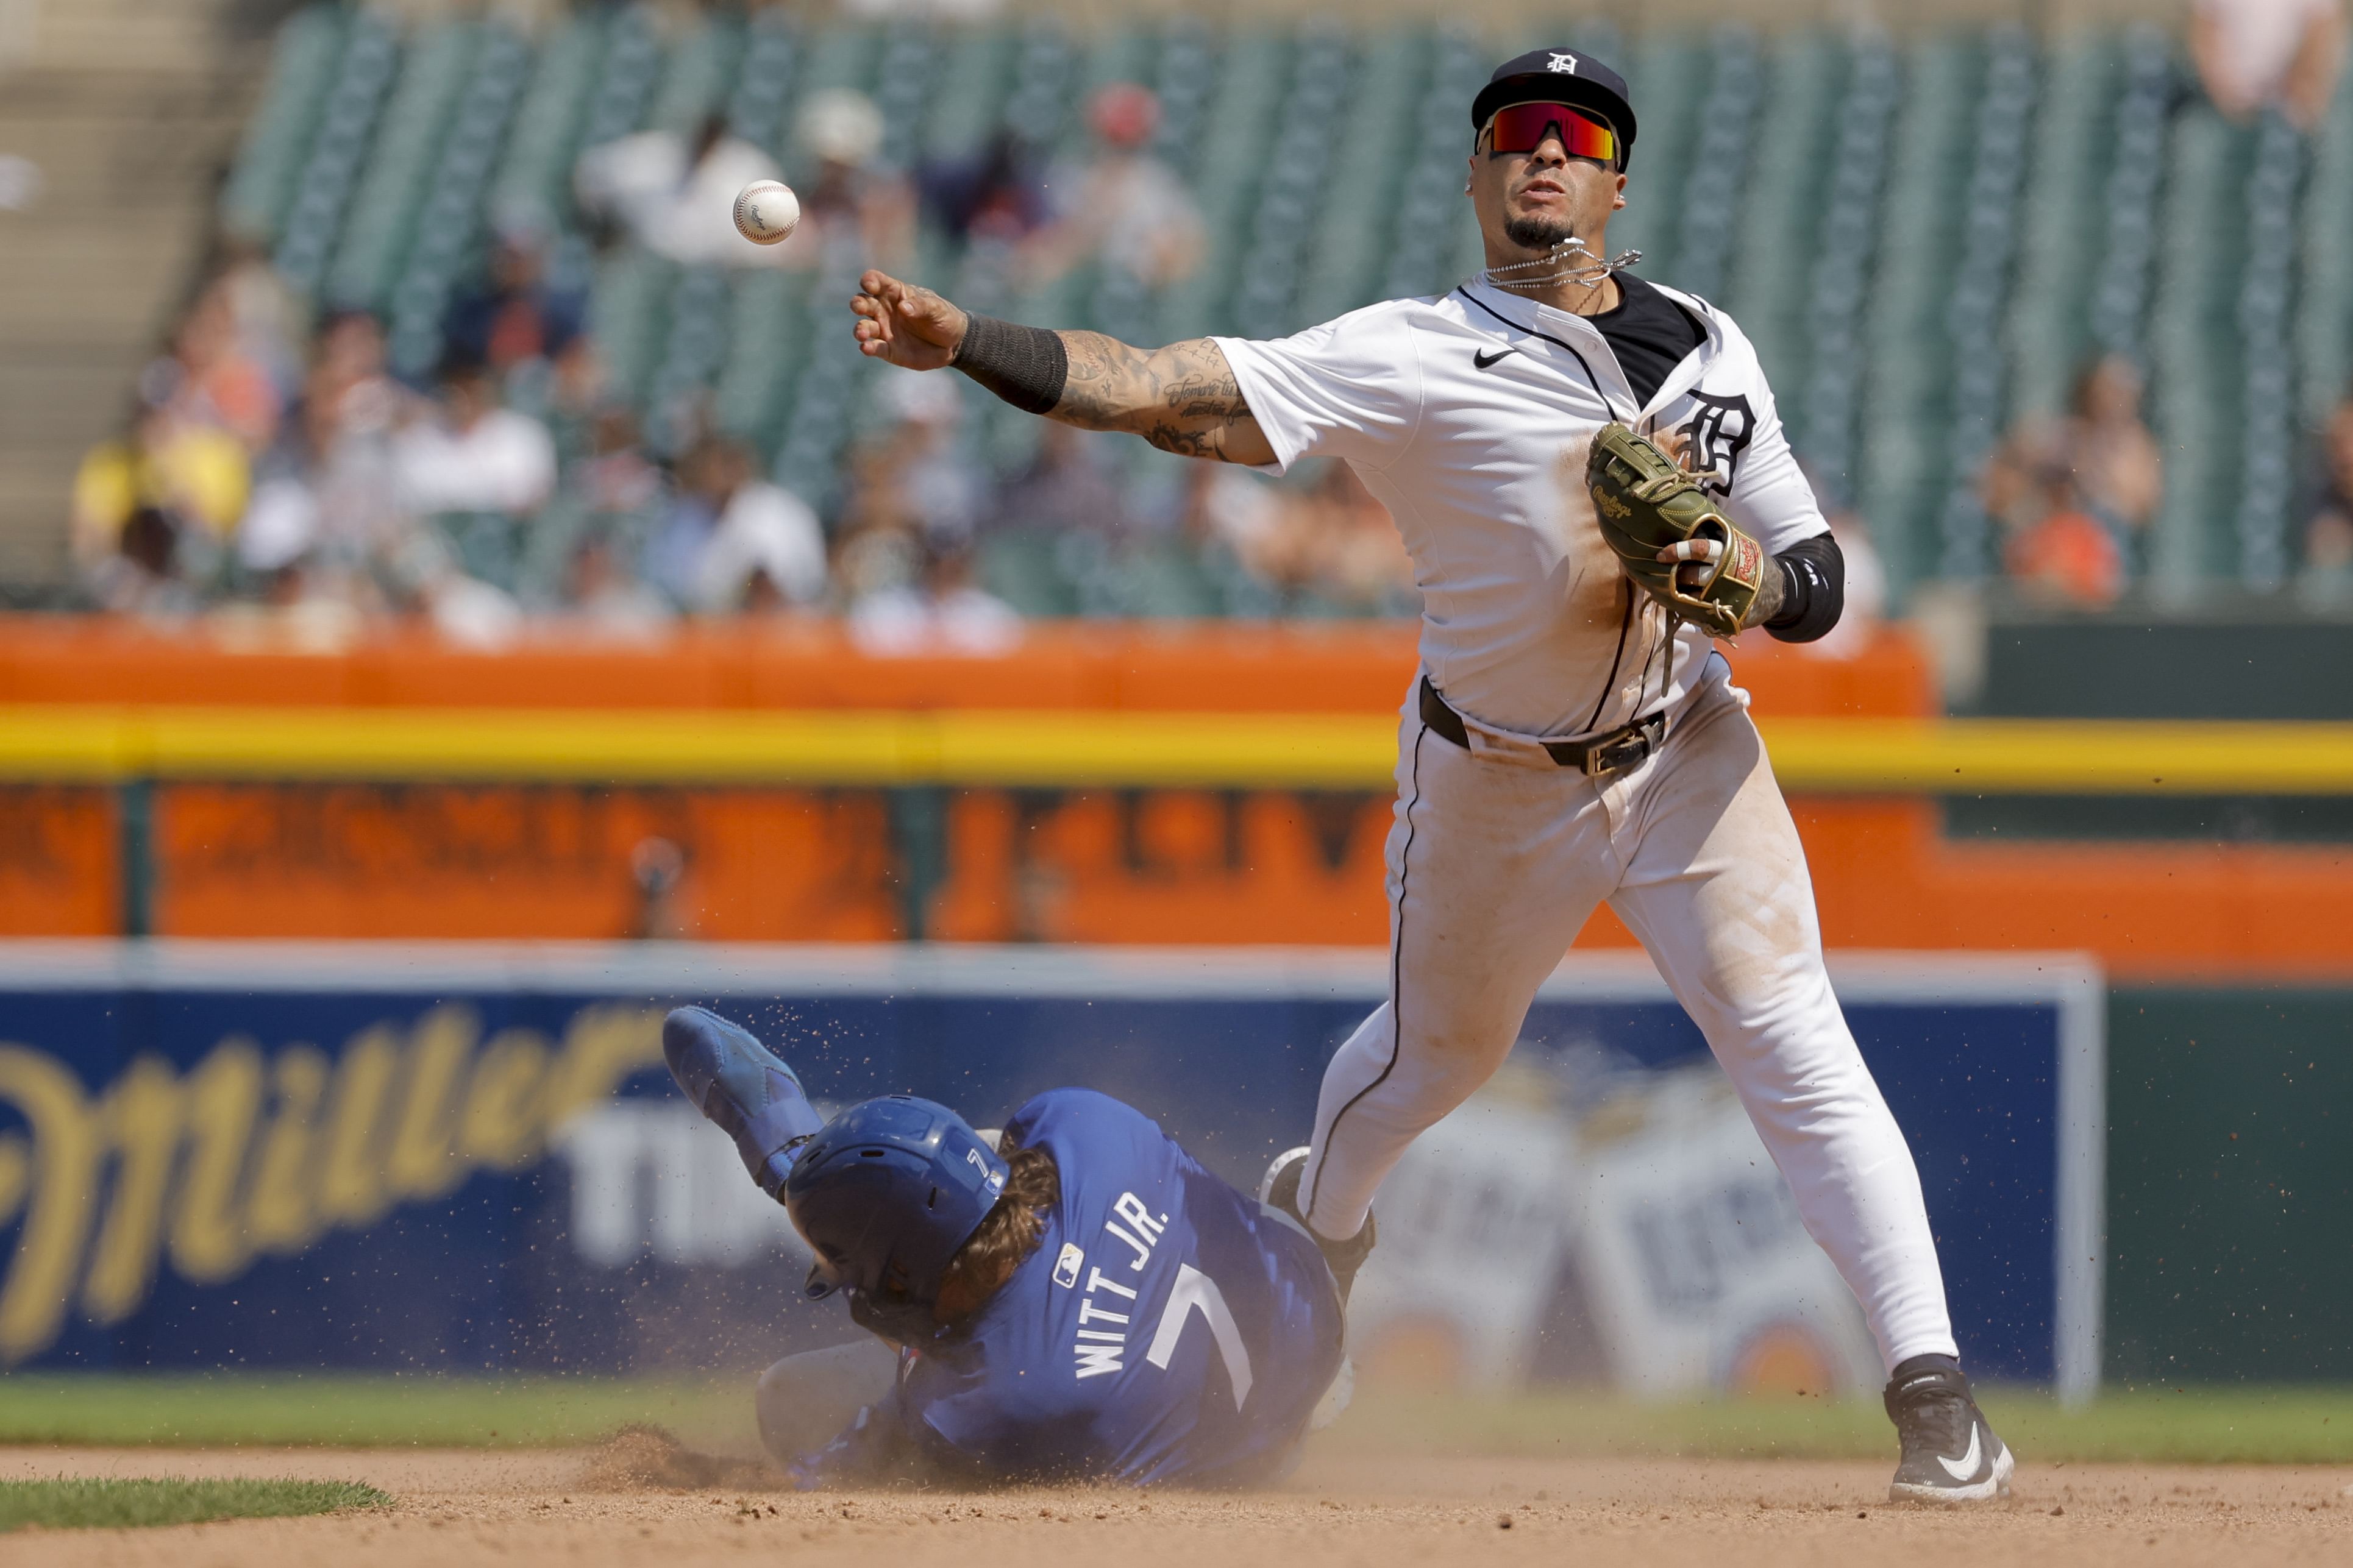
[(1613, 753)]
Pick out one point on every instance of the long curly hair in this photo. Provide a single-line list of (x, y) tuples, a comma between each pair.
[(1011, 1230)]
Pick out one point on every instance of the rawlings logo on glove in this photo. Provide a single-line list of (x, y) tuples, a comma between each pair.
[(1648, 504)]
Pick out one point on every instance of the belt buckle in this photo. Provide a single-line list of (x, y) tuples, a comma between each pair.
[(1621, 751)]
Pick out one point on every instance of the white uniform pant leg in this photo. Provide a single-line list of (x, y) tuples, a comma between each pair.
[(805, 1401), (1717, 890), (1493, 869)]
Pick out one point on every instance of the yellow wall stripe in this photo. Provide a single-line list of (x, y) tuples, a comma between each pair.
[(964, 746)]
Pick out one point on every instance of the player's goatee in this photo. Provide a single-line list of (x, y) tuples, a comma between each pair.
[(1538, 233)]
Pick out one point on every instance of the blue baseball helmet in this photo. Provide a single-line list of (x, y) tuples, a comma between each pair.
[(886, 1192)]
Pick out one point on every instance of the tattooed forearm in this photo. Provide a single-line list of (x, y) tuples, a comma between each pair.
[(1182, 399), (1771, 595)]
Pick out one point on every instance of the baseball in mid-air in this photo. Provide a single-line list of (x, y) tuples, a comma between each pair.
[(767, 211)]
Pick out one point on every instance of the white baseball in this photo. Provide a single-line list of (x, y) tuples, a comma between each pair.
[(767, 211)]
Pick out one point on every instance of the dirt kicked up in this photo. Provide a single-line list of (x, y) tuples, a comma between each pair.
[(603, 1507)]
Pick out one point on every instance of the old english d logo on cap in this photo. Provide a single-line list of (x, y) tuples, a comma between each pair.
[(1555, 75)]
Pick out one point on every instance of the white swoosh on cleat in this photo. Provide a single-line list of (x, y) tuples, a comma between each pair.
[(1964, 1467)]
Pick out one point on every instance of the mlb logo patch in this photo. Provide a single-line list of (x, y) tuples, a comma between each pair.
[(1067, 1267)]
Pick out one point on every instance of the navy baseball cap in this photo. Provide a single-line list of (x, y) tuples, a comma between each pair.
[(1559, 76)]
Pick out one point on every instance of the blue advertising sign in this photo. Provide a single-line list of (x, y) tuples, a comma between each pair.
[(467, 1156)]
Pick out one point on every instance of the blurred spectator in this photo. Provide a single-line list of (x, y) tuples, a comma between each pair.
[(849, 197), (209, 378), (2071, 494), (1322, 547), (733, 541), (1066, 488), (2329, 525), (515, 316), (605, 599), (1359, 562), (941, 610), (998, 195), (184, 484), (1126, 209), (936, 481), (326, 501), (676, 194), (268, 316), (2258, 54), (474, 456)]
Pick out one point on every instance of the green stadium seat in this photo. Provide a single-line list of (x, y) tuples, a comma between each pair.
[(1899, 459), (383, 206), (339, 143), (1707, 228), (2324, 332), (2191, 391), (1779, 224), (699, 72), (270, 157), (534, 174), (2048, 334), (1023, 568)]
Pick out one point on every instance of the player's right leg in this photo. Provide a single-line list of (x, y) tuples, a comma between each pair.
[(805, 1401), (1494, 867), (742, 1085)]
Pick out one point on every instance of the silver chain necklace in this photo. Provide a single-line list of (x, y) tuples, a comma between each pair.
[(1522, 277)]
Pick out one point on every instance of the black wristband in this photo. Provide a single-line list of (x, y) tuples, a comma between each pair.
[(1813, 590), (1026, 366)]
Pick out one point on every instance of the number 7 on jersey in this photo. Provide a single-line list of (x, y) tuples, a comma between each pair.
[(1196, 1290)]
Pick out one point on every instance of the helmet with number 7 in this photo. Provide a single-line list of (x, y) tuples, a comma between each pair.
[(886, 1194)]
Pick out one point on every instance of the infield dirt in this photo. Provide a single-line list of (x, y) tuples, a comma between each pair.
[(593, 1508)]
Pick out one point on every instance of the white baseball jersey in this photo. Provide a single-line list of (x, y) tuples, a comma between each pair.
[(1468, 416)]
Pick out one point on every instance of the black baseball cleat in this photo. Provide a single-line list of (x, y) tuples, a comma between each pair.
[(1279, 1189), (1950, 1452)]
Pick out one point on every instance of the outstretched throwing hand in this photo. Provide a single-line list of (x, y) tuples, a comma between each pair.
[(907, 325)]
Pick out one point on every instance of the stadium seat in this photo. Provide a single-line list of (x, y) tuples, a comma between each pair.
[(339, 143), (277, 139), (1821, 415), (1899, 470), (392, 185)]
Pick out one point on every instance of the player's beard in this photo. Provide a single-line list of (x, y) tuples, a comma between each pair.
[(1538, 233)]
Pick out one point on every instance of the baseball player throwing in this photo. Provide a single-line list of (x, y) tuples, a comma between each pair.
[(1079, 1301), (1593, 482)]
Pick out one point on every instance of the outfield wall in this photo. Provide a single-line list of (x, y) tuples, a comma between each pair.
[(468, 1156)]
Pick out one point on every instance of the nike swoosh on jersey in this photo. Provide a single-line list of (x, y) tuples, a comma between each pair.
[(1485, 361), (1964, 1467)]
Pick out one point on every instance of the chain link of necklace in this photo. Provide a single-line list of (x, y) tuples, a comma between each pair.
[(1522, 277)]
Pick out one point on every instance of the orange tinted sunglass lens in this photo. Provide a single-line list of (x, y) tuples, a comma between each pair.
[(1523, 127)]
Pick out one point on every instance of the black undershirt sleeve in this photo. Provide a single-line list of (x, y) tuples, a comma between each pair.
[(1813, 590)]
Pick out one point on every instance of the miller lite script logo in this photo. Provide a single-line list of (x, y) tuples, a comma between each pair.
[(1714, 437), (246, 1154), (1564, 62)]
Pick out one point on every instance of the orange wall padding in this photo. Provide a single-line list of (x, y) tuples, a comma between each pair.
[(1203, 666), (1090, 865)]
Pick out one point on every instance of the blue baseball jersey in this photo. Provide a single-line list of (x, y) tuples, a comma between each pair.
[(1166, 1328)]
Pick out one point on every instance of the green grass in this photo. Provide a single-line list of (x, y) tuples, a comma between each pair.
[(208, 1410), (121, 1504), (2234, 1424)]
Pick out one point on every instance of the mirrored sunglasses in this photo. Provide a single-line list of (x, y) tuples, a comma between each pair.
[(1523, 127)]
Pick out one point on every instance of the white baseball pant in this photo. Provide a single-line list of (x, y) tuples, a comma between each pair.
[(1497, 858)]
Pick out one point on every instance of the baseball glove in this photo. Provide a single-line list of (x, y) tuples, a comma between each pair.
[(1648, 502)]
